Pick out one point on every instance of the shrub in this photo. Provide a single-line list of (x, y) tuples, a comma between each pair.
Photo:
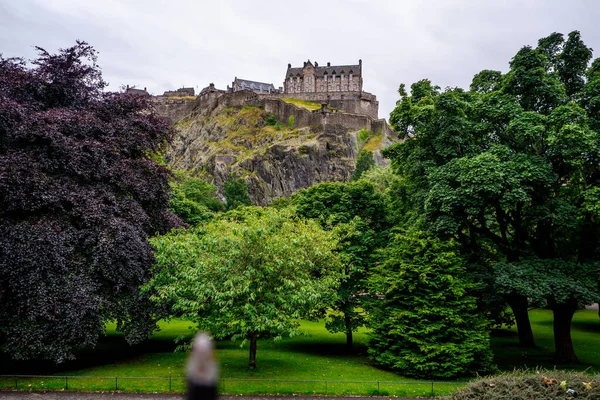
[(271, 120), (291, 121), (526, 385), (427, 325)]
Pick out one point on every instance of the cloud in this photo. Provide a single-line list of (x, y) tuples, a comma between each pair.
[(163, 45)]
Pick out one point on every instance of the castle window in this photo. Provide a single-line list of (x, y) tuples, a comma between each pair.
[(346, 87), (329, 87), (325, 77), (350, 77), (334, 78), (308, 79), (322, 88), (342, 77), (337, 87), (355, 86)]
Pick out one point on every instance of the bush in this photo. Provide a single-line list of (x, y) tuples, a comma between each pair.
[(291, 121), (271, 120), (526, 385)]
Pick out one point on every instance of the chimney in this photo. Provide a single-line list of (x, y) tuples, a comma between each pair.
[(328, 64), (360, 63), (316, 64), (289, 66), (127, 86), (145, 89)]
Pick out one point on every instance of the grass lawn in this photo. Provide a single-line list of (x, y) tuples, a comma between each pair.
[(315, 358), (585, 332), (309, 105)]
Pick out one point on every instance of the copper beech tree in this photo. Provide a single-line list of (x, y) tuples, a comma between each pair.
[(79, 197)]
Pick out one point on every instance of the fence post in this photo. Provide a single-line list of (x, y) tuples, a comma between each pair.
[(16, 383), (377, 388), (116, 383), (432, 393), (66, 383)]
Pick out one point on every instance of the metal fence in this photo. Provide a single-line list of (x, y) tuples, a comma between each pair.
[(228, 385)]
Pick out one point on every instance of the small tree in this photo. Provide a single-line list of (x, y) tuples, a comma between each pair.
[(236, 194), (427, 325), (364, 162), (250, 274)]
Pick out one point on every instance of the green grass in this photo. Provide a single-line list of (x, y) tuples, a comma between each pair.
[(585, 332), (315, 358), (309, 105)]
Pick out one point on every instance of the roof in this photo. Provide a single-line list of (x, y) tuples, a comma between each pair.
[(253, 85), (320, 71)]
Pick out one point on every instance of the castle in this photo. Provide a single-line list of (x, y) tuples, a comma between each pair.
[(337, 88), (315, 79)]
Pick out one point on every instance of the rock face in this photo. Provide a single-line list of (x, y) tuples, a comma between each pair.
[(275, 161)]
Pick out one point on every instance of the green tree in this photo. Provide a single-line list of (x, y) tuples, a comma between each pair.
[(364, 162), (426, 324), (252, 273), (512, 174), (236, 194), (358, 214), (193, 199)]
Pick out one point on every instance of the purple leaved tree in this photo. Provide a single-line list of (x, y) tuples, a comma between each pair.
[(79, 197)]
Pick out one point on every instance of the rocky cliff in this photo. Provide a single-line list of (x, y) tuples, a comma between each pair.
[(274, 160)]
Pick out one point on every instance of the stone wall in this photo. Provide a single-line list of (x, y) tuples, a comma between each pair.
[(174, 110), (362, 103), (303, 117)]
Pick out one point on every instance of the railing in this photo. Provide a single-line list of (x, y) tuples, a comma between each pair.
[(228, 385)]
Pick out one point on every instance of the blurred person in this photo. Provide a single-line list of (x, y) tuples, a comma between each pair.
[(202, 370)]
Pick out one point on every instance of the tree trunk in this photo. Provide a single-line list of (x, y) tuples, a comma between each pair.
[(348, 331), (563, 315), (253, 338), (519, 304)]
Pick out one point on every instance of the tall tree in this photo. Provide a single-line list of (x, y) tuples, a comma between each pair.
[(79, 196), (358, 214), (426, 324), (515, 170), (236, 194), (250, 274)]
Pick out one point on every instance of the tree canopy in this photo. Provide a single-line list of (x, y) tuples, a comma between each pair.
[(251, 273), (510, 170), (358, 214), (79, 196)]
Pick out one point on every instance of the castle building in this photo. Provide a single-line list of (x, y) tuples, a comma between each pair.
[(316, 79), (256, 87)]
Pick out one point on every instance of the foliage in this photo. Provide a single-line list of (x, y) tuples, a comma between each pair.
[(526, 384), (192, 199), (249, 274), (358, 214), (426, 324), (236, 194), (291, 122), (364, 134), (79, 196), (271, 120), (364, 162), (511, 172)]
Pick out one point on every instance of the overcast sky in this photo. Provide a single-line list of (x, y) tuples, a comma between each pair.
[(164, 45)]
